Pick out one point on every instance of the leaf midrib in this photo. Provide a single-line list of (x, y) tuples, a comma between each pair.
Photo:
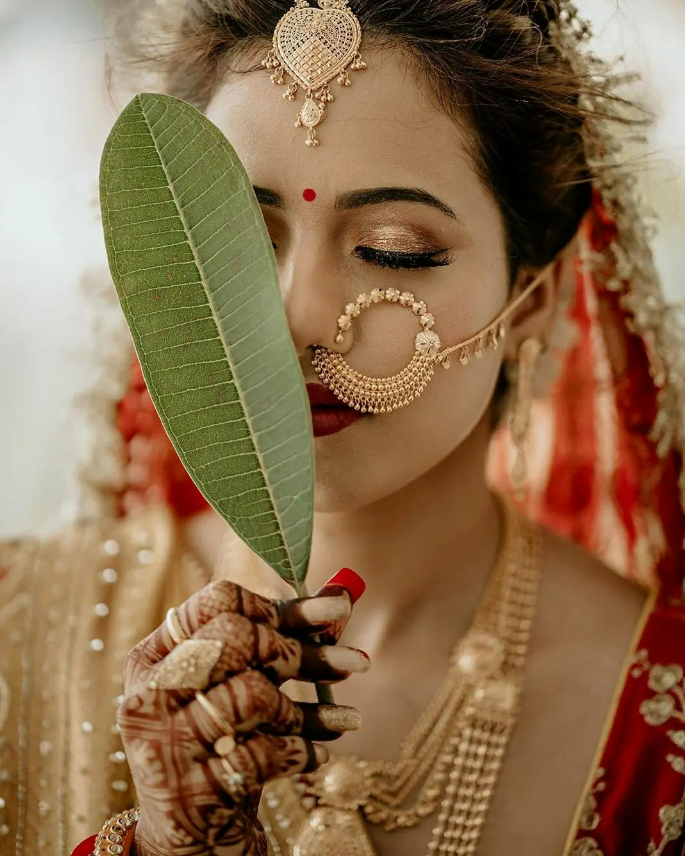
[(200, 271)]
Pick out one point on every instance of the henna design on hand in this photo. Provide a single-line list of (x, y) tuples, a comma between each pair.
[(187, 805)]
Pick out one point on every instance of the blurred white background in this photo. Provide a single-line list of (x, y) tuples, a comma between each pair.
[(56, 116)]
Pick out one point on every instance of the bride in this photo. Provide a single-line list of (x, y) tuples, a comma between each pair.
[(499, 686)]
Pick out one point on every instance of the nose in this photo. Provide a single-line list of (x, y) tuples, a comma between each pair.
[(313, 296)]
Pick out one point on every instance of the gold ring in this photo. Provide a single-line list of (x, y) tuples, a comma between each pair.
[(173, 625), (188, 666), (234, 780), (211, 711), (225, 745)]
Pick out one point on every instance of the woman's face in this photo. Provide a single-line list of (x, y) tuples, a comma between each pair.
[(380, 132)]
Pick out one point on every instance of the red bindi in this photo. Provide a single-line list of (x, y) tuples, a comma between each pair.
[(309, 195)]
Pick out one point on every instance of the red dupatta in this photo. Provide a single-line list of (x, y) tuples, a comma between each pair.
[(601, 481)]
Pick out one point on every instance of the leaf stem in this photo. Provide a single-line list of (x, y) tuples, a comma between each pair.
[(324, 693)]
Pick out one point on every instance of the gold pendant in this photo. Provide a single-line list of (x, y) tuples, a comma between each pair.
[(311, 114), (333, 832), (316, 44), (313, 45)]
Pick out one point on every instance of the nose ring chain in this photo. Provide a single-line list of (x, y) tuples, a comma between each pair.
[(385, 394)]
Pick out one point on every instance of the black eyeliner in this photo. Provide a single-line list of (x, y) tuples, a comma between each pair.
[(407, 261)]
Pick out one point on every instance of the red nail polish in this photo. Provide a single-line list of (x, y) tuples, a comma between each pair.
[(349, 580)]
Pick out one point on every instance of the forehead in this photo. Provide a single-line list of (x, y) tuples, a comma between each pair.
[(383, 129)]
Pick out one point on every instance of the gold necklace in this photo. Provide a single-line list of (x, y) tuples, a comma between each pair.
[(450, 761)]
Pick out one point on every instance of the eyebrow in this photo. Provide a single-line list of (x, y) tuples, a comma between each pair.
[(355, 199)]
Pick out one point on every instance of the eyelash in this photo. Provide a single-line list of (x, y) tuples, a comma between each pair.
[(407, 261)]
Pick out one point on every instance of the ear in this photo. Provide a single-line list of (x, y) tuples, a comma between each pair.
[(533, 317)]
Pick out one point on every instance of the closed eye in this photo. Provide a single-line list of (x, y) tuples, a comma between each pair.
[(396, 261), (410, 261)]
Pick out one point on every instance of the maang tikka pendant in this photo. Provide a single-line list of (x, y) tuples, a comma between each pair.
[(313, 45)]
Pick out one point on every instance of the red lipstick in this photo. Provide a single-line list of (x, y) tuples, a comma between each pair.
[(329, 413)]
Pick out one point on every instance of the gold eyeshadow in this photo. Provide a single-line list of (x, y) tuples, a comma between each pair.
[(397, 239)]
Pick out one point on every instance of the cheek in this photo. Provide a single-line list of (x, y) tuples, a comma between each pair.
[(456, 401), (380, 455)]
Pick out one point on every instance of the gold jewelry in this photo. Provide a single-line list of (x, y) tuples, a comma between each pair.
[(116, 836), (519, 419), (188, 666), (385, 394), (225, 744), (233, 779), (173, 625), (221, 723), (450, 761), (313, 45)]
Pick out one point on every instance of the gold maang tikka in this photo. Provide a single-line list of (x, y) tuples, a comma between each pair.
[(385, 394), (313, 45)]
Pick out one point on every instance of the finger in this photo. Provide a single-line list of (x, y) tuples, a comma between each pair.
[(329, 664), (250, 702), (244, 703), (262, 758), (256, 646), (240, 645), (305, 616), (273, 713), (331, 635), (345, 583), (219, 596), (312, 616), (249, 646), (230, 645), (328, 721)]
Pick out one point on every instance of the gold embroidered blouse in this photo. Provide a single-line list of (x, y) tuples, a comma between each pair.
[(71, 607)]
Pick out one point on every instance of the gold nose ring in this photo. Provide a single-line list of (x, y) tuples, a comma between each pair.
[(378, 394)]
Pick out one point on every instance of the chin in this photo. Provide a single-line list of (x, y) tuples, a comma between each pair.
[(343, 485), (363, 464), (336, 488), (346, 482)]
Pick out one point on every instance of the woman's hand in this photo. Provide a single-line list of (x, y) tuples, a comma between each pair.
[(242, 648)]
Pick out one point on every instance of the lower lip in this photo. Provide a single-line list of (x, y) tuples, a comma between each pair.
[(331, 420)]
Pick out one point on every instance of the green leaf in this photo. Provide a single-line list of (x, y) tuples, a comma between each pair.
[(196, 275)]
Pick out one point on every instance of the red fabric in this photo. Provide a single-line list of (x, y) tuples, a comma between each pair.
[(154, 470), (600, 481), (85, 848), (639, 806), (596, 478), (643, 779), (603, 485)]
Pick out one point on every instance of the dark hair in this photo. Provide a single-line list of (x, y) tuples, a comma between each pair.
[(495, 61)]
